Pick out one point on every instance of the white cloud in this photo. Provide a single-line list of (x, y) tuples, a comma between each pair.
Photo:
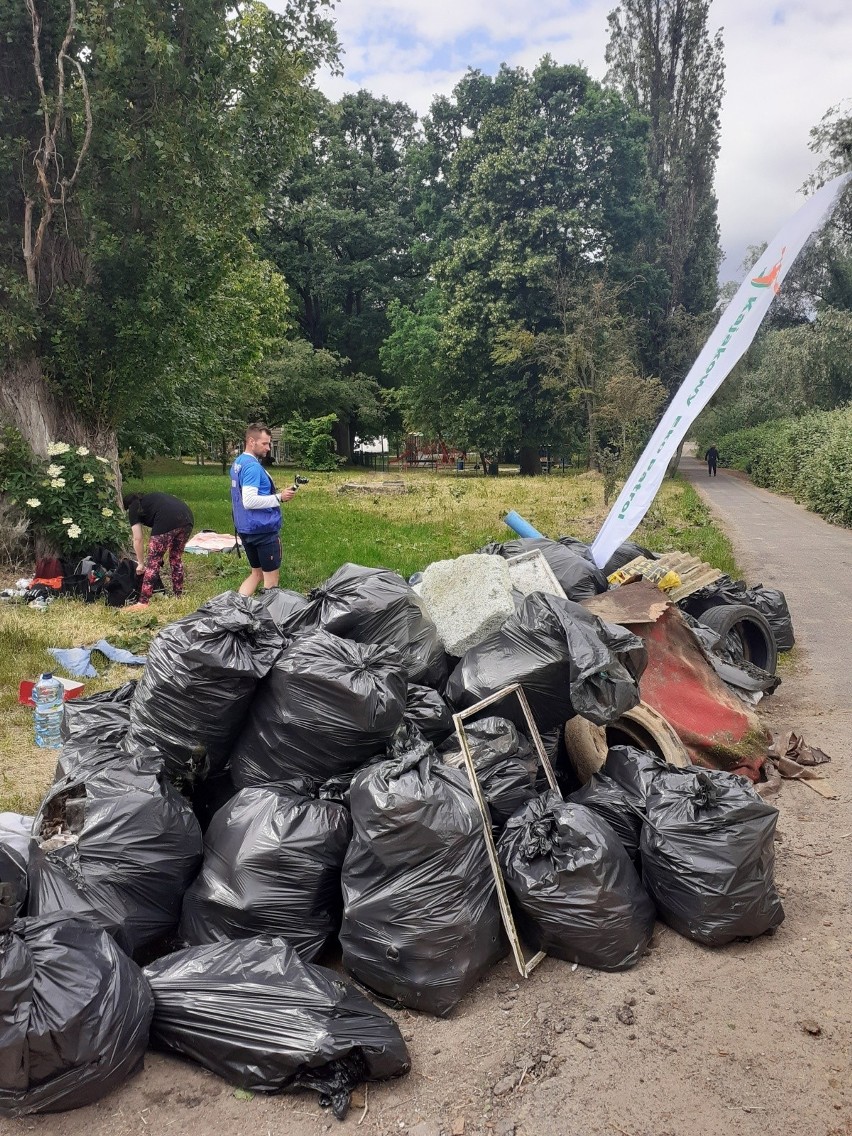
[(787, 61)]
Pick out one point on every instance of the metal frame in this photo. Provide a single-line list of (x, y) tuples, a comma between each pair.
[(524, 965)]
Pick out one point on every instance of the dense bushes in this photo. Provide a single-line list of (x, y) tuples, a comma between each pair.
[(809, 457)]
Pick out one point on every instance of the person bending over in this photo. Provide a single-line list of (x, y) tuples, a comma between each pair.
[(170, 521), (257, 510)]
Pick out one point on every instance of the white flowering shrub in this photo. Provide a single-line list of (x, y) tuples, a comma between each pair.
[(69, 500)]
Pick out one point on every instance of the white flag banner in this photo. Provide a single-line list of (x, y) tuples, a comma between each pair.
[(725, 347)]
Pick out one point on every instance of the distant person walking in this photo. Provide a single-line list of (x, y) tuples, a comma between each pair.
[(256, 504), (170, 521), (711, 457)]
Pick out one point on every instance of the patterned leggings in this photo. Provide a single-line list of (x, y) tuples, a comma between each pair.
[(172, 542)]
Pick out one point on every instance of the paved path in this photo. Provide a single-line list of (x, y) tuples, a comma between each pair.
[(782, 545)]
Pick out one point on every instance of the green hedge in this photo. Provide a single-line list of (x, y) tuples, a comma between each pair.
[(809, 458)]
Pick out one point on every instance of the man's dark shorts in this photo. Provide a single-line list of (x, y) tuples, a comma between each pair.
[(263, 553)]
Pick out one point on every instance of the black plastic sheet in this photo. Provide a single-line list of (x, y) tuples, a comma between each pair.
[(567, 661), (577, 575), (256, 1014), (118, 844), (328, 706), (421, 923), (198, 683), (708, 856), (574, 891), (271, 867), (376, 605), (15, 848), (505, 762), (74, 1015)]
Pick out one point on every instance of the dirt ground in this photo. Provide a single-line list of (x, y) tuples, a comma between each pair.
[(692, 1042)]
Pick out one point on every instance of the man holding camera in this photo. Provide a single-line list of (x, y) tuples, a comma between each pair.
[(256, 505)]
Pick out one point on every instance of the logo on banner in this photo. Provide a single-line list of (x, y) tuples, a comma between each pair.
[(770, 279)]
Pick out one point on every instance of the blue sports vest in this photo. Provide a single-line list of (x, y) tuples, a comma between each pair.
[(252, 522)]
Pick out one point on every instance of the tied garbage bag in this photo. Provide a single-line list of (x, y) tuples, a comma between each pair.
[(74, 1015), (199, 682), (577, 574), (15, 846), (574, 891), (567, 661), (283, 607), (327, 707), (256, 1014), (708, 856), (118, 844), (376, 605), (618, 792), (505, 763), (426, 710), (99, 719), (421, 924), (271, 867)]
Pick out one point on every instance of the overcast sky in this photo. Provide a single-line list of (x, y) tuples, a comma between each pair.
[(787, 62)]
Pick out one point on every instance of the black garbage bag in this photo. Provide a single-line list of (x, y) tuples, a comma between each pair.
[(327, 707), (421, 923), (118, 844), (567, 661), (15, 848), (283, 607), (376, 605), (708, 856), (271, 867), (625, 552), (426, 709), (577, 575), (74, 1015), (256, 1014), (618, 792), (574, 891), (506, 764), (769, 601), (198, 684), (100, 718)]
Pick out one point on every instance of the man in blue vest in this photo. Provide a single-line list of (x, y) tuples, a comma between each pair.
[(257, 510)]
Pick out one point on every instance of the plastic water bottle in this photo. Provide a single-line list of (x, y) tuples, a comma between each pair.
[(48, 696)]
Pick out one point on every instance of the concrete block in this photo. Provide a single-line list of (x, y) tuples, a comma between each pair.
[(468, 599)]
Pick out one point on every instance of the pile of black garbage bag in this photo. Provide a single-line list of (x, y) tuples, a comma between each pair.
[(312, 742)]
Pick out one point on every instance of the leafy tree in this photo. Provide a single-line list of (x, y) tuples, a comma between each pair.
[(666, 63), (543, 175), (311, 441), (340, 227), (137, 144)]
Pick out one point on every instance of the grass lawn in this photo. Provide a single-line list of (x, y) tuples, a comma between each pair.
[(439, 517)]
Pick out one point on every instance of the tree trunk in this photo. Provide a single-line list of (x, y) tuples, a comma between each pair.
[(40, 416), (530, 466), (675, 462), (342, 439)]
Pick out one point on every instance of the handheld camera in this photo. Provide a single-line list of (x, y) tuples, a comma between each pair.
[(299, 480)]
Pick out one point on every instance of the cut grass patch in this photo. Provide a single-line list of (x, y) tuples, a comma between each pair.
[(439, 517)]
